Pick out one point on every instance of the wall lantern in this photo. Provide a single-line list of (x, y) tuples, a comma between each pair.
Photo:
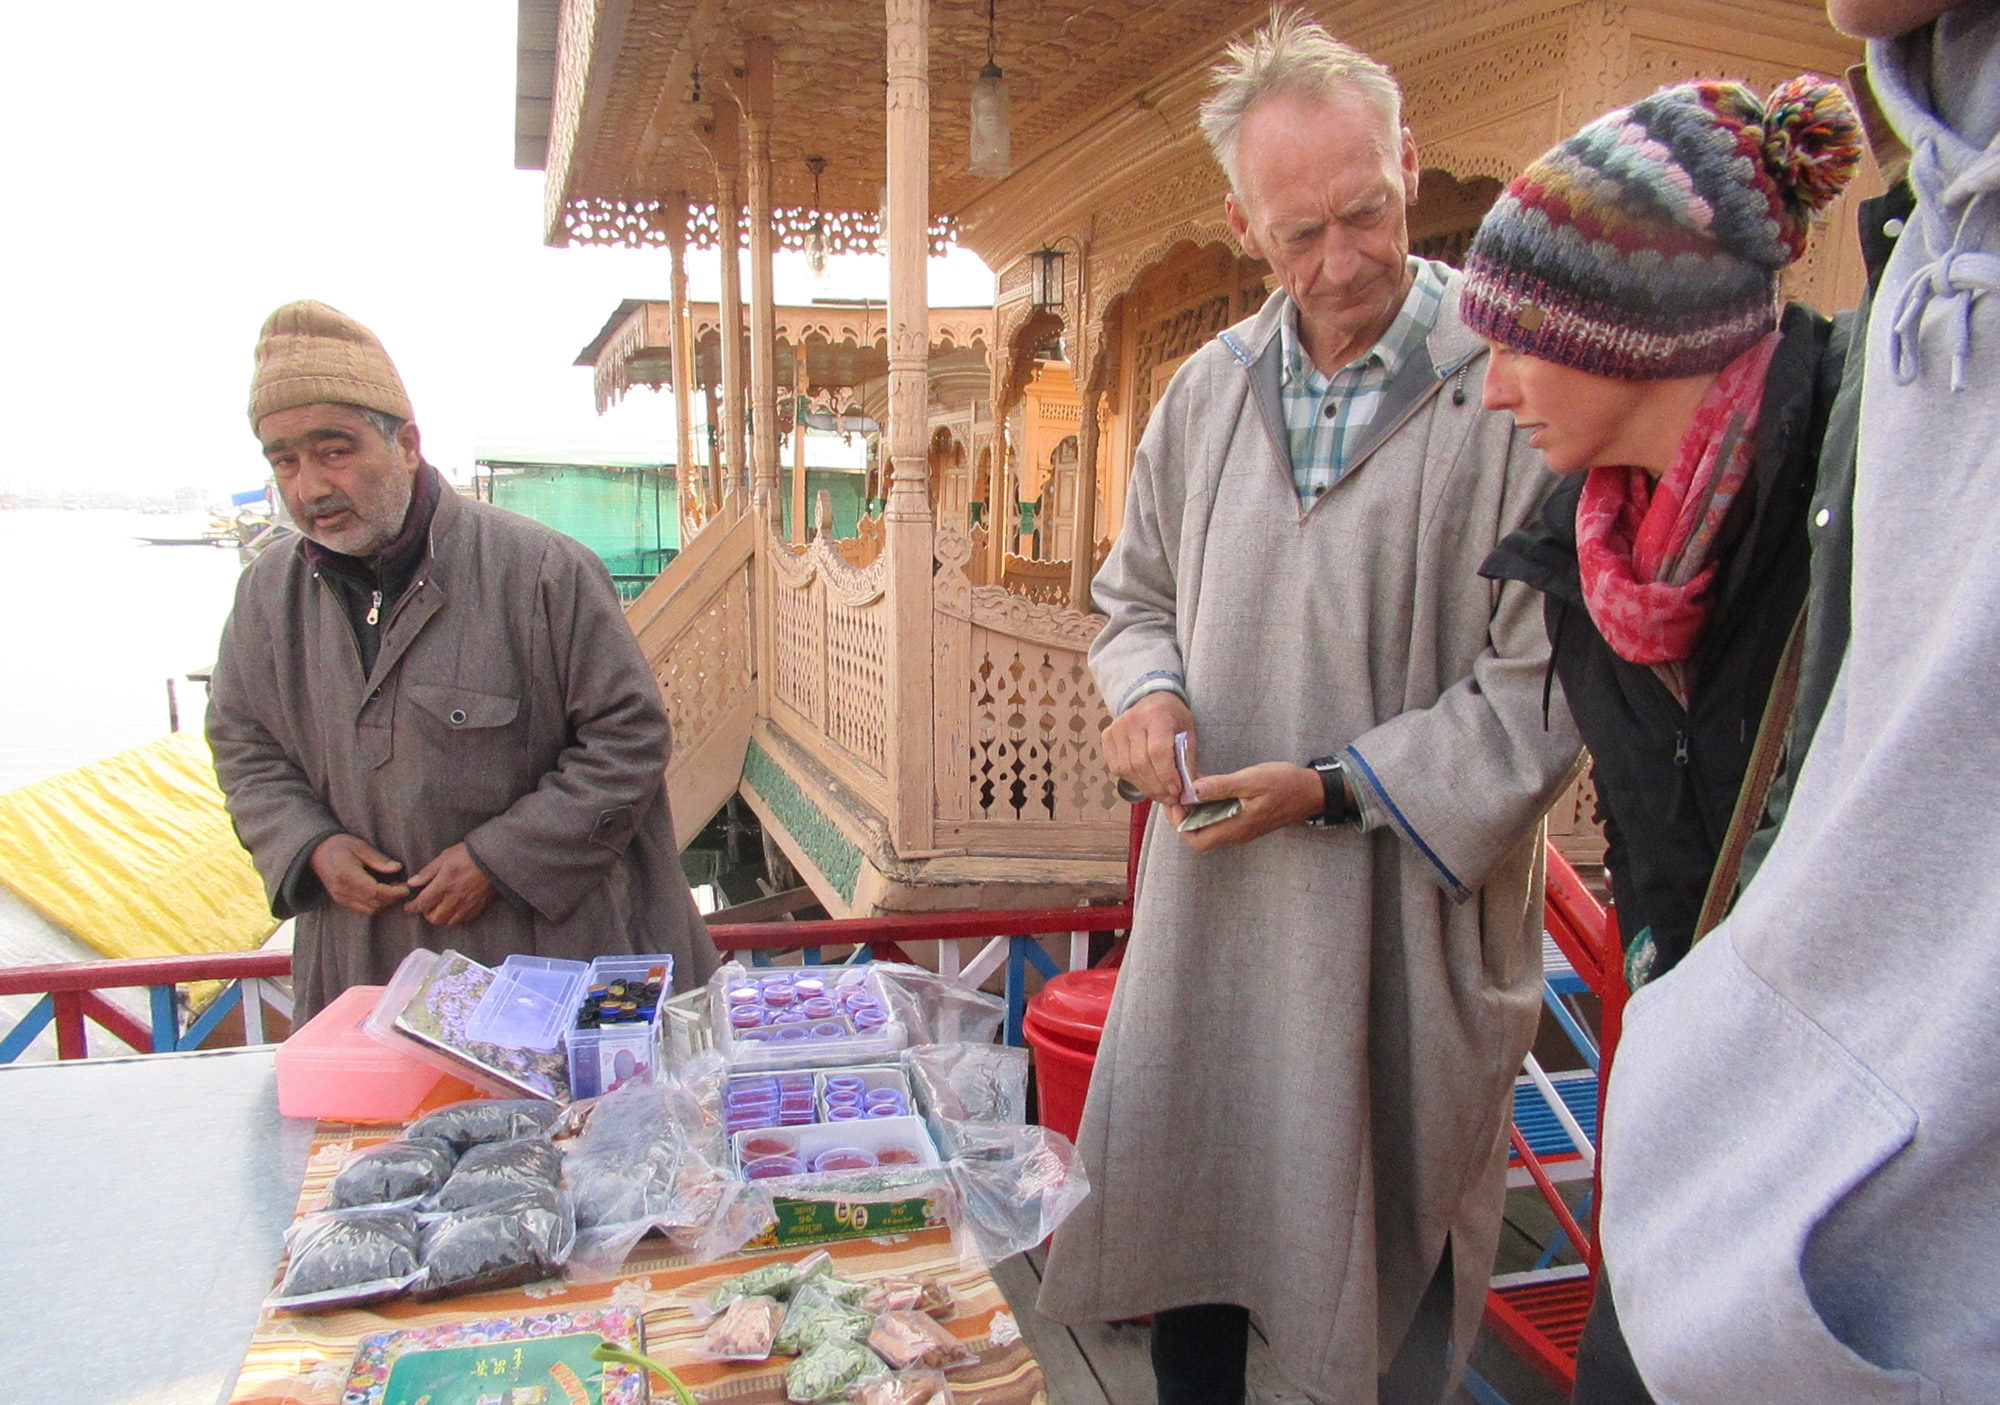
[(992, 143), (1049, 273)]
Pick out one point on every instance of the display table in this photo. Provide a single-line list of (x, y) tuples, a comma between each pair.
[(303, 1360), (145, 1203)]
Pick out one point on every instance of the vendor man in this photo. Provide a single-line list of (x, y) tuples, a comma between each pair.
[(429, 718), (1299, 1109)]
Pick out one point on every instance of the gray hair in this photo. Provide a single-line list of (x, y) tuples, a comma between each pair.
[(386, 425), (1291, 54)]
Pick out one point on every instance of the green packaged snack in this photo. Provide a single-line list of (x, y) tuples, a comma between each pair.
[(778, 1280), (769, 1281), (829, 1372), (816, 1318)]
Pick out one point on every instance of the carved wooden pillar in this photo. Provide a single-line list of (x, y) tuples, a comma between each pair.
[(907, 520), (695, 501), (1083, 547), (758, 54), (713, 395), (725, 145), (799, 464)]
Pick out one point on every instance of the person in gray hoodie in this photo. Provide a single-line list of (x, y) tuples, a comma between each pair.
[(1802, 1135)]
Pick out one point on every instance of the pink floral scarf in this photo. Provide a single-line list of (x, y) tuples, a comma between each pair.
[(1645, 547)]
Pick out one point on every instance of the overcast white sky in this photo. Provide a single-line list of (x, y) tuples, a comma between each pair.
[(179, 171)]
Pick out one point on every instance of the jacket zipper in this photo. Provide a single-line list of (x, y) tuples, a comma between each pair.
[(375, 608)]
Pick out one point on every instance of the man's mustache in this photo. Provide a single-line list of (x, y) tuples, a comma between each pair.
[(328, 506)]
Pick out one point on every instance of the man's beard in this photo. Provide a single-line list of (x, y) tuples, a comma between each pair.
[(374, 523)]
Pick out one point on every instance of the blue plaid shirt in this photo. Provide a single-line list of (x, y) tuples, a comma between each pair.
[(1329, 415)]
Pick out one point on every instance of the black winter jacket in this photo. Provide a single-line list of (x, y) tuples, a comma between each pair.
[(1667, 776)]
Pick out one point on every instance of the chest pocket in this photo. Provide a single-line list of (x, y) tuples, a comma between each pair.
[(462, 709)]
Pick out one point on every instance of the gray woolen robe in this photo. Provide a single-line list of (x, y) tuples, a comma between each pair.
[(1304, 1082), (509, 707)]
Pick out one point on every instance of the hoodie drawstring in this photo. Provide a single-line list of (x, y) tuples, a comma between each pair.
[(1958, 274)]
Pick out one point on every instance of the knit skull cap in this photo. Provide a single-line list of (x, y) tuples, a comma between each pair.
[(1648, 245), (311, 354)]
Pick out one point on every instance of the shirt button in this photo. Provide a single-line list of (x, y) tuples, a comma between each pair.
[(1319, 489), (1822, 517), (374, 693), (1892, 228), (1328, 412), (458, 717)]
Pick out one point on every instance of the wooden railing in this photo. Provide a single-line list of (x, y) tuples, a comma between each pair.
[(1017, 762), (827, 660), (694, 625), (71, 995)]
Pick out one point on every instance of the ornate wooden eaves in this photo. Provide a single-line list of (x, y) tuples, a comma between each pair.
[(843, 345), (635, 80)]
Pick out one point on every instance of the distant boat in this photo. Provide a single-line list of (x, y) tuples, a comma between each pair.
[(219, 540)]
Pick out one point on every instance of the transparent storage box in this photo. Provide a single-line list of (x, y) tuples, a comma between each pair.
[(803, 1017), (611, 1055), (531, 1003)]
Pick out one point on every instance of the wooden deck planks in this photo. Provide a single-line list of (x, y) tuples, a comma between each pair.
[(1109, 1363)]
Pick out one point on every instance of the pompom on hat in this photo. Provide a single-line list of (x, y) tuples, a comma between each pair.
[(1648, 245), (310, 354)]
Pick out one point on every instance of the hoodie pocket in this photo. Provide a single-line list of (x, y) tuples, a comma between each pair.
[(1735, 1124)]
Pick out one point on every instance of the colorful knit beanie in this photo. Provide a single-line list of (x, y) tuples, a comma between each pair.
[(311, 354), (1648, 245)]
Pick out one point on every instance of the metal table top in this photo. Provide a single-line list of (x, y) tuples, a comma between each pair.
[(145, 1202)]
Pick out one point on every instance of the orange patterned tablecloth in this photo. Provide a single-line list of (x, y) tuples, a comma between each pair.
[(303, 1360)]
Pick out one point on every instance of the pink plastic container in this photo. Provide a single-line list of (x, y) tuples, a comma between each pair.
[(329, 1068)]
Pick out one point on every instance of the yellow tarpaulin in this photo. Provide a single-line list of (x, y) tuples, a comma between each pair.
[(134, 855)]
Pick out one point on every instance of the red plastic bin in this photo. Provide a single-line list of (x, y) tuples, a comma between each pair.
[(1063, 1026)]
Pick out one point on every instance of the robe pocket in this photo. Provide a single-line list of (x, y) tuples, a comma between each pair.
[(1735, 1125), (462, 709), (613, 829)]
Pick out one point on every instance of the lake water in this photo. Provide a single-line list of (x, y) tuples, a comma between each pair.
[(92, 624)]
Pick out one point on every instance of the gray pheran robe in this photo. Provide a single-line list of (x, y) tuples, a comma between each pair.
[(509, 707), (1304, 1083)]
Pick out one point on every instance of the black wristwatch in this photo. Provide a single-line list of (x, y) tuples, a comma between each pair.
[(1339, 808)]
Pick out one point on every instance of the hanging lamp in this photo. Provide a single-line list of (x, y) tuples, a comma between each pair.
[(992, 144), (816, 235)]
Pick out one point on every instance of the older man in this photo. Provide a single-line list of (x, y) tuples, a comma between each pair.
[(1299, 1109), (430, 720)]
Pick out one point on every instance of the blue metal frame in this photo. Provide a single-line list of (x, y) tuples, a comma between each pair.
[(168, 1036)]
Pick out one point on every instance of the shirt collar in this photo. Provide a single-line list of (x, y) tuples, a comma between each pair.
[(1413, 322)]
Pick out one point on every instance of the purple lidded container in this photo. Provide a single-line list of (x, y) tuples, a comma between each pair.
[(829, 1029), (780, 994), (865, 1020), (883, 1110), (818, 1008), (848, 1113), (743, 995), (843, 1097), (786, 1033), (764, 1167), (757, 1036), (846, 1083), (809, 987)]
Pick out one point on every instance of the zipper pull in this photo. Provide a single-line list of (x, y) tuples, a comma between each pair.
[(375, 607), (1680, 748)]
